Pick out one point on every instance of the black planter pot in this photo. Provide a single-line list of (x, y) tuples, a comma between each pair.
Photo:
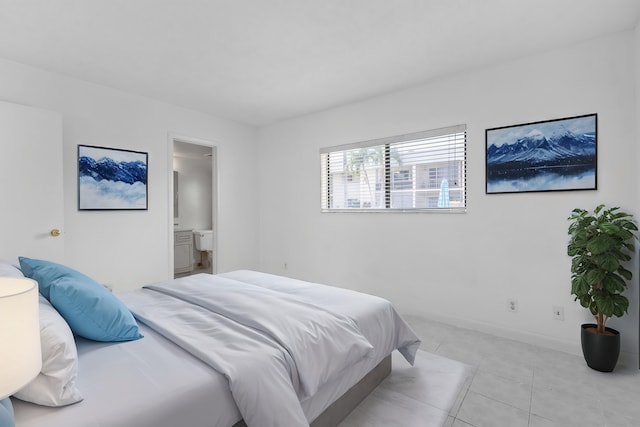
[(600, 351)]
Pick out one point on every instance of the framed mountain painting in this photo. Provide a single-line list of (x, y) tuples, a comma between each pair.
[(551, 155), (111, 179)]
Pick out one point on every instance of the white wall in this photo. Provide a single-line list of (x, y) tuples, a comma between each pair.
[(195, 192), (461, 267), (130, 248)]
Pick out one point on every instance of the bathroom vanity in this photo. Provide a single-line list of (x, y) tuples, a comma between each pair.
[(182, 251)]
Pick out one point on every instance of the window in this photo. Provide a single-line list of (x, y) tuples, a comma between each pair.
[(423, 171)]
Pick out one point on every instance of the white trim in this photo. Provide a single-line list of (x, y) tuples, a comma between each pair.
[(461, 210)]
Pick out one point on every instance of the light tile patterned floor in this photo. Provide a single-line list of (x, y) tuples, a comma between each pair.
[(516, 384), (425, 394)]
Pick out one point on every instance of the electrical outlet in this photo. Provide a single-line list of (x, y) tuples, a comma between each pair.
[(558, 312), (512, 305)]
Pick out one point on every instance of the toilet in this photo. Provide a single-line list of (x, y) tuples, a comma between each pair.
[(204, 243), (204, 240)]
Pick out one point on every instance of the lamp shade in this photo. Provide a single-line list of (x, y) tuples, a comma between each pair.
[(20, 353)]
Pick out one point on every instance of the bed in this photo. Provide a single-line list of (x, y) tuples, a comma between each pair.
[(177, 376)]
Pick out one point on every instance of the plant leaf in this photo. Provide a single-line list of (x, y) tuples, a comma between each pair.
[(595, 276), (608, 261), (624, 273), (599, 244)]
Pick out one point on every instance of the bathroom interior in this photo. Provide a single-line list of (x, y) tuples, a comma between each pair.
[(193, 201)]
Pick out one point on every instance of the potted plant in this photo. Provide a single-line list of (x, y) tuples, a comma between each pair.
[(601, 242)]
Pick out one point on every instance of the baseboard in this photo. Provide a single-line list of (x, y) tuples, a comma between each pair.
[(491, 329)]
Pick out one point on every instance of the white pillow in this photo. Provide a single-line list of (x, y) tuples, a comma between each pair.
[(7, 269), (55, 385)]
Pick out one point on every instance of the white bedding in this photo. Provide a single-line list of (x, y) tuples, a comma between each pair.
[(376, 318), (274, 350), (150, 382), (153, 382)]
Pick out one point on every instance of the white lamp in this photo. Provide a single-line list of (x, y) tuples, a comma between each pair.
[(20, 353)]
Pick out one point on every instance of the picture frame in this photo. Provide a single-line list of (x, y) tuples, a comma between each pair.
[(549, 155), (112, 179)]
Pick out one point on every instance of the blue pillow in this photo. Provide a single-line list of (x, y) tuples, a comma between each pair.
[(43, 272), (6, 413), (88, 307)]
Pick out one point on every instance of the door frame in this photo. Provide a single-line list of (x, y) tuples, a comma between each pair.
[(171, 138)]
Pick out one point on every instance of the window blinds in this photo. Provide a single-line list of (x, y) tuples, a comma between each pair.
[(422, 171)]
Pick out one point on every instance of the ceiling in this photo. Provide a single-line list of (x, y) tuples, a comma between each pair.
[(262, 61)]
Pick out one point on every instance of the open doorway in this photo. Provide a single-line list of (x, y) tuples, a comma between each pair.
[(193, 206)]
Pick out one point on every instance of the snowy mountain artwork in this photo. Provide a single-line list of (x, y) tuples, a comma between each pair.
[(111, 179), (552, 155)]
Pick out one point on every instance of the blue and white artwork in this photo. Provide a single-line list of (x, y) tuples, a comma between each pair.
[(111, 179), (543, 156)]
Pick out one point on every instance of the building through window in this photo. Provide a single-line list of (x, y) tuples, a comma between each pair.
[(419, 171)]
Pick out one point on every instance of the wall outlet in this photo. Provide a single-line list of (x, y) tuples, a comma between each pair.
[(558, 312), (512, 305)]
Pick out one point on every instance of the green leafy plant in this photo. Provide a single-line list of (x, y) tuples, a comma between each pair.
[(601, 241)]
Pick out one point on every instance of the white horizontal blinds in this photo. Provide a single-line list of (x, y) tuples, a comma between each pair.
[(353, 179), (420, 171), (428, 173), (324, 182)]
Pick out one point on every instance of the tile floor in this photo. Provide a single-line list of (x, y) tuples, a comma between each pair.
[(516, 384), (421, 395), (196, 270)]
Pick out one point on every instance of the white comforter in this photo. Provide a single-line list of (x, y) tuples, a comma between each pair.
[(265, 334)]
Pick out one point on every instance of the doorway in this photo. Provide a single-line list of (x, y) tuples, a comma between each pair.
[(193, 206)]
